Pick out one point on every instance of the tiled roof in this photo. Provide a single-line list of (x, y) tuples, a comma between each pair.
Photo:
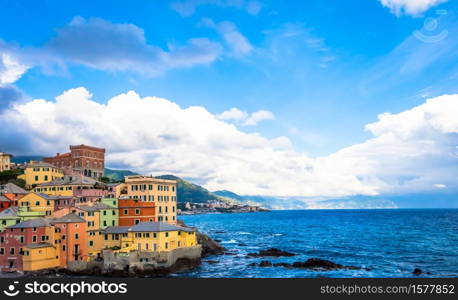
[(117, 229), (11, 189), (40, 164), (87, 208), (4, 199), (68, 218), (72, 180), (157, 227), (9, 212), (38, 245), (32, 223)]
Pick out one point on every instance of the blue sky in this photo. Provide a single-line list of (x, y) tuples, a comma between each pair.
[(323, 70)]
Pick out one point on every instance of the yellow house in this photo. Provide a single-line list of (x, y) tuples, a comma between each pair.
[(40, 256), (95, 241), (37, 202), (36, 173), (150, 236), (67, 185)]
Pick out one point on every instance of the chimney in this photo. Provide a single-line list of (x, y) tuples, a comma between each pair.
[(57, 154)]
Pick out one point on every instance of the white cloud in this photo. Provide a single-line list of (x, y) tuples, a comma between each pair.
[(440, 186), (411, 7), (233, 114), (187, 8), (258, 116), (10, 68), (235, 40), (244, 118), (103, 45), (409, 152)]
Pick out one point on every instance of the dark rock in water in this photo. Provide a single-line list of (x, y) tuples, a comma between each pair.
[(417, 271), (321, 264), (218, 241), (212, 262), (271, 252), (230, 253), (252, 265), (209, 246), (241, 245), (285, 265), (219, 232), (265, 263)]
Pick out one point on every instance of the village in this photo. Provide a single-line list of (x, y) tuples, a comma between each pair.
[(66, 218)]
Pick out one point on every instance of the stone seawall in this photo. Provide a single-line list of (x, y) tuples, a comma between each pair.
[(138, 263)]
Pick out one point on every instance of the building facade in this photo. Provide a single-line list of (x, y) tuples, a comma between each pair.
[(5, 161), (36, 173), (82, 159), (134, 211), (147, 189)]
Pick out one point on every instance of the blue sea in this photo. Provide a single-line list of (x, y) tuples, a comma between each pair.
[(389, 242)]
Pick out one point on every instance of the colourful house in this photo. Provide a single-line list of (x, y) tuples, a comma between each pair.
[(37, 202), (36, 173), (14, 239), (12, 192), (15, 215), (135, 211), (39, 256), (69, 185), (109, 215), (5, 203), (150, 236), (73, 239)]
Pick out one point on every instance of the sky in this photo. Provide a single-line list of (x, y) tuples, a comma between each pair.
[(261, 97)]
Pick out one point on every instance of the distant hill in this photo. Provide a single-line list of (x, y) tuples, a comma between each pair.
[(26, 158), (190, 192), (118, 175)]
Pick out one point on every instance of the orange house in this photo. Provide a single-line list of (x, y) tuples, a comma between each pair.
[(134, 211), (73, 245)]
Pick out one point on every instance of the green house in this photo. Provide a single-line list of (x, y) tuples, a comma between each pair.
[(109, 215), (15, 215)]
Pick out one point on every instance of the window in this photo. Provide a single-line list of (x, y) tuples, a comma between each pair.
[(112, 222), (137, 211), (166, 245), (21, 239), (37, 203), (2, 239), (11, 251), (46, 177), (126, 211), (36, 178), (63, 247), (137, 221), (104, 223), (91, 243), (113, 212), (2, 251), (104, 212), (106, 237), (76, 236), (34, 239), (166, 234)]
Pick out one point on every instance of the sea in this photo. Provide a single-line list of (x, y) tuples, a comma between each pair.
[(388, 242)]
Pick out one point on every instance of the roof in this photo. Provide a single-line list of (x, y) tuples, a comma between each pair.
[(87, 208), (32, 223), (72, 180), (117, 229), (11, 188), (38, 245), (68, 218), (157, 227), (9, 212), (4, 199), (40, 164)]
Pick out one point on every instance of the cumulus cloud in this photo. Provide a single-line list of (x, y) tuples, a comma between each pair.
[(187, 8), (104, 45), (233, 114), (409, 151), (100, 44), (259, 116), (10, 68), (411, 7), (235, 40), (244, 118)]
